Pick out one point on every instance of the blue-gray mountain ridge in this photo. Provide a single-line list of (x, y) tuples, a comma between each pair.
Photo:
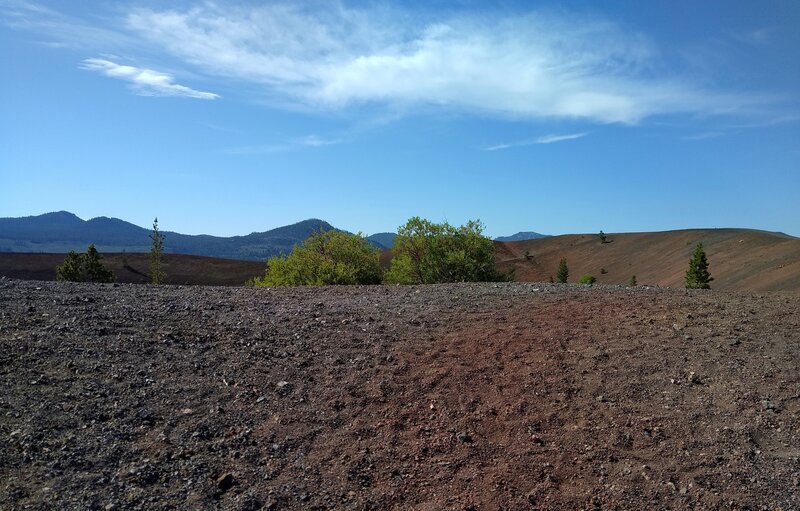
[(63, 231)]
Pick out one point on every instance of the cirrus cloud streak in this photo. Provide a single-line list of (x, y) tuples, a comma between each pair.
[(145, 82)]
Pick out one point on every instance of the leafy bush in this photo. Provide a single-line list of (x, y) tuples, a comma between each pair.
[(331, 257), (86, 267), (428, 253), (587, 279)]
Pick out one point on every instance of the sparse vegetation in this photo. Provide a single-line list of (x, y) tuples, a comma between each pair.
[(331, 257), (632, 282), (563, 272), (71, 269), (157, 273), (603, 238), (428, 253), (587, 279), (86, 267), (603, 271), (528, 255), (697, 276)]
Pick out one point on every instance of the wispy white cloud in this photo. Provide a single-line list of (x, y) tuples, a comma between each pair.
[(544, 139), (704, 135), (500, 147), (759, 36), (293, 144), (315, 141), (549, 139), (61, 30), (330, 56), (146, 82), (530, 66)]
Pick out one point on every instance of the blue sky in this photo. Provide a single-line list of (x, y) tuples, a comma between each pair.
[(559, 117)]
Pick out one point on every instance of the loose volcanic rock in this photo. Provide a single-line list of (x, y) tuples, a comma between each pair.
[(462, 396)]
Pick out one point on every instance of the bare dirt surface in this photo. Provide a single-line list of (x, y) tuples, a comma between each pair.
[(134, 268), (462, 397), (739, 259)]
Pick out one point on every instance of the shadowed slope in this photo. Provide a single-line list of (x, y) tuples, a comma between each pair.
[(181, 269)]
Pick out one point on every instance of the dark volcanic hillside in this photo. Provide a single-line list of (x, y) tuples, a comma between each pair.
[(134, 268), (740, 259), (62, 231), (452, 397)]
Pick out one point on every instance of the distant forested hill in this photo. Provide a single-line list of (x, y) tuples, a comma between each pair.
[(522, 236), (63, 231)]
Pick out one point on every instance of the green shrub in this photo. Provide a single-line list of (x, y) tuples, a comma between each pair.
[(86, 267), (71, 269), (563, 272), (325, 258), (428, 253), (587, 279), (632, 282)]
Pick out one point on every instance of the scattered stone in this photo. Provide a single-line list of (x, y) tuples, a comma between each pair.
[(464, 437), (225, 482), (284, 387)]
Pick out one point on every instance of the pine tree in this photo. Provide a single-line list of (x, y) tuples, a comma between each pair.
[(86, 267), (697, 276), (157, 274), (563, 271), (94, 269), (71, 269)]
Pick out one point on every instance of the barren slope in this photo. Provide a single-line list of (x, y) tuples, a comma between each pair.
[(180, 268), (509, 396), (739, 259)]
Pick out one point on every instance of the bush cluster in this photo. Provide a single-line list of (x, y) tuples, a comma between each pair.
[(424, 253), (86, 267), (325, 258)]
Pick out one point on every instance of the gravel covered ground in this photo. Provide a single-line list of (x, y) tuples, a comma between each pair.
[(463, 397)]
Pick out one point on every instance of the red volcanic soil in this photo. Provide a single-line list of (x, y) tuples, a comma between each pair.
[(456, 397), (739, 259), (180, 268)]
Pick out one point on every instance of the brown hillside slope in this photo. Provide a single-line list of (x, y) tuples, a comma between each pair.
[(739, 259), (180, 268)]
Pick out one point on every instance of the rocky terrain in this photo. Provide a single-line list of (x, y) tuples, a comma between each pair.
[(463, 397)]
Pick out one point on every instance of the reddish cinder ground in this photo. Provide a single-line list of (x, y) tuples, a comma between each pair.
[(739, 259), (471, 396)]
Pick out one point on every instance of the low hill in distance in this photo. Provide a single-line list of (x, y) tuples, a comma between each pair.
[(180, 268), (522, 236), (383, 240), (739, 259), (62, 231)]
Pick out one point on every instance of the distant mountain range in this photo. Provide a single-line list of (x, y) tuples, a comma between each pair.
[(523, 236), (63, 231)]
